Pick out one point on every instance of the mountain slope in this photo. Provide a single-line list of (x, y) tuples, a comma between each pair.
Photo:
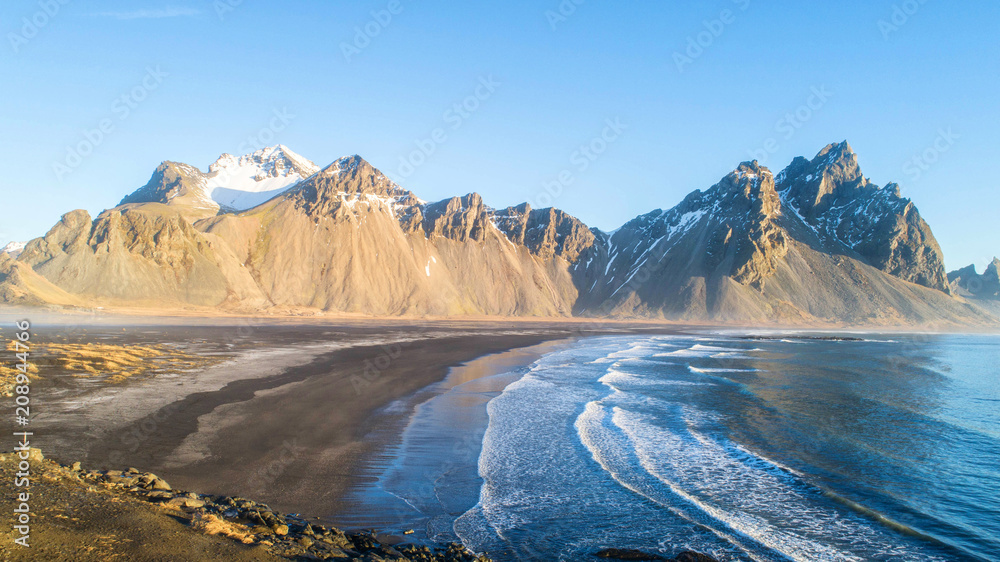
[(142, 254)]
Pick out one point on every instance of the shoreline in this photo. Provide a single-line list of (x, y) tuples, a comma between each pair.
[(98, 515), (113, 316), (294, 436), (461, 399), (418, 371)]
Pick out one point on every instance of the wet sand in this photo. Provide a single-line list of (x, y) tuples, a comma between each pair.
[(426, 472)]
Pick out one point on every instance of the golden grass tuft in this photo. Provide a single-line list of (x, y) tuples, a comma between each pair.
[(108, 363), (213, 525)]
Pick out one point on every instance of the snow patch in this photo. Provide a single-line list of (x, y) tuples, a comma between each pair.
[(14, 249), (249, 180)]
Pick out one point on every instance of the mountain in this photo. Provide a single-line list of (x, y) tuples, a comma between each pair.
[(967, 282), (349, 239), (231, 183), (13, 249), (849, 215), (818, 243), (21, 285)]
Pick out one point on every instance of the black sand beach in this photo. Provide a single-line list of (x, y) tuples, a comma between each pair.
[(291, 418)]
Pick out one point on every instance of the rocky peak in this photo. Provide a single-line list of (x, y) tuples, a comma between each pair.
[(816, 185), (545, 232), (753, 184), (750, 223), (172, 181), (458, 218), (850, 215), (967, 282), (269, 162), (345, 182), (993, 270), (231, 183)]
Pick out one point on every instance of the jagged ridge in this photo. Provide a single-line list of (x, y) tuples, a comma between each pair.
[(817, 243)]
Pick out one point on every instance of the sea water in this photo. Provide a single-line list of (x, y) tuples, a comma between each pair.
[(782, 446)]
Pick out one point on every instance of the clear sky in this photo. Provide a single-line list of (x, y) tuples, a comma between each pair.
[(692, 89)]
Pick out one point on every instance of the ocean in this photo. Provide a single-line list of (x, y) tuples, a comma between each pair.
[(745, 446)]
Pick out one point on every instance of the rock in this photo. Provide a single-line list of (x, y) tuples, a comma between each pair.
[(305, 541), (280, 530), (688, 556), (159, 495), (408, 532), (160, 484), (76, 467), (188, 503), (627, 554)]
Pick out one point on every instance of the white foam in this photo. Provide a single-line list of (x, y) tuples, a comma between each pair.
[(751, 494)]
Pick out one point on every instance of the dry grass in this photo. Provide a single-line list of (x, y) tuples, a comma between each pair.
[(212, 525), (106, 362)]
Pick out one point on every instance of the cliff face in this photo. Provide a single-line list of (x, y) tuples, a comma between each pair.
[(968, 283), (851, 216), (818, 242), (546, 232)]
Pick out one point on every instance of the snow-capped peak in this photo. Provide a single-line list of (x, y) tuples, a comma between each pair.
[(249, 180), (13, 249)]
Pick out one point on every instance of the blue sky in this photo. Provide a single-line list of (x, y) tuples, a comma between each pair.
[(691, 89)]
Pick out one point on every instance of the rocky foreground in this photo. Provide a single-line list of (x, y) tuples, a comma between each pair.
[(131, 515)]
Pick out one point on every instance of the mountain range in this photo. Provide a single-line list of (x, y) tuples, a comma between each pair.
[(272, 232)]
